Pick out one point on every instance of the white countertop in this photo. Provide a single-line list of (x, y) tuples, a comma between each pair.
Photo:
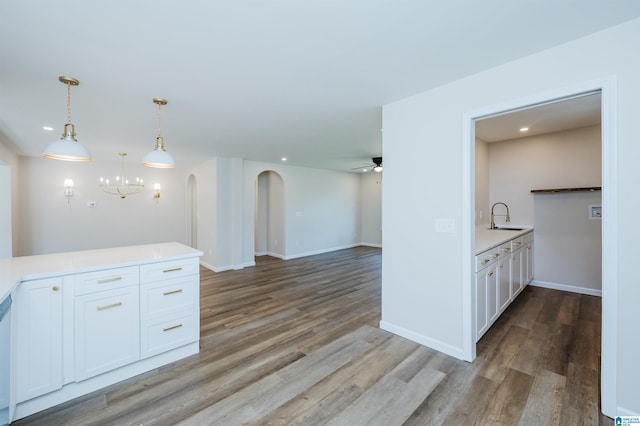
[(17, 269), (488, 238)]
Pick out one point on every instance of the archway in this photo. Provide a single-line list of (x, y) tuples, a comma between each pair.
[(269, 215)]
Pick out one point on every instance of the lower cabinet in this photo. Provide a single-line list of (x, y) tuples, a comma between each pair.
[(501, 274), (139, 317), (107, 331), (38, 310)]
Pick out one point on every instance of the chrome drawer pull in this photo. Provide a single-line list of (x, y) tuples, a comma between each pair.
[(506, 249), (517, 243), (494, 255), (113, 305), (172, 270), (172, 292), (485, 261), (490, 273), (172, 327), (109, 280)]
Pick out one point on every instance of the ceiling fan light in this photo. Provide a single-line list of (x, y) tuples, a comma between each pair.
[(377, 169)]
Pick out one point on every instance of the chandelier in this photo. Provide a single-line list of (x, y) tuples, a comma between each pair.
[(121, 187)]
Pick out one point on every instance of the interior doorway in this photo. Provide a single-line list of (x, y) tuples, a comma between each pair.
[(269, 215), (609, 220)]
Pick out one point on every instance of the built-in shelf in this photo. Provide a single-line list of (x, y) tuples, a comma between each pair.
[(559, 190)]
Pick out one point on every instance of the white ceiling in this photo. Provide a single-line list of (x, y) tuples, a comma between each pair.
[(253, 78), (580, 111)]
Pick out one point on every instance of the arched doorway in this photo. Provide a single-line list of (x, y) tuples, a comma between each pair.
[(269, 215)]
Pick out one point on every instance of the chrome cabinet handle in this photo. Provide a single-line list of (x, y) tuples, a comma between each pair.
[(172, 292), (172, 270), (494, 255), (113, 305), (490, 273), (172, 327), (55, 288), (518, 243), (506, 249), (485, 261)]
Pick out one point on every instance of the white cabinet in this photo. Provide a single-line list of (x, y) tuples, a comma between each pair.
[(38, 310), (501, 274), (85, 329), (169, 305)]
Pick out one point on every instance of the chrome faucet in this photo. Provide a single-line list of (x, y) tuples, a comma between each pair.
[(507, 218)]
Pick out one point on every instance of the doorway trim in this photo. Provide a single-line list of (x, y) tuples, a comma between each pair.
[(609, 350)]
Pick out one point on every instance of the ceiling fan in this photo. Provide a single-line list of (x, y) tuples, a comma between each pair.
[(376, 166)]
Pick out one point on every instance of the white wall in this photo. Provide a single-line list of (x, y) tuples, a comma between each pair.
[(49, 224), (321, 209), (9, 217), (482, 209), (422, 270), (567, 243), (565, 159), (371, 209)]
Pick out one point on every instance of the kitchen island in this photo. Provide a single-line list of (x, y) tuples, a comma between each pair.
[(85, 320)]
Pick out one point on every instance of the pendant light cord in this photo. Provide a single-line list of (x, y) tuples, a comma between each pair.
[(68, 102), (159, 117)]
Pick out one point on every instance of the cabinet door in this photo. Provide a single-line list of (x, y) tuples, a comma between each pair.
[(38, 310), (504, 289), (492, 292), (528, 255), (481, 303), (107, 331), (516, 269)]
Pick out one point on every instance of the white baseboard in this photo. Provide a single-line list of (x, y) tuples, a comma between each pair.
[(260, 253), (627, 413), (371, 245), (311, 253), (423, 340), (565, 287)]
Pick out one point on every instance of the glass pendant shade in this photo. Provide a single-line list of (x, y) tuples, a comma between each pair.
[(67, 148), (159, 157)]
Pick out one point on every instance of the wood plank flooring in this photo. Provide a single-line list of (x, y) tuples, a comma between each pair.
[(296, 343)]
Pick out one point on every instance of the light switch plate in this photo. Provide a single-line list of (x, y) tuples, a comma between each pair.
[(445, 225)]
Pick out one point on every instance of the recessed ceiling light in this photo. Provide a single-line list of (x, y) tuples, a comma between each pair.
[(284, 158), (524, 129), (47, 128)]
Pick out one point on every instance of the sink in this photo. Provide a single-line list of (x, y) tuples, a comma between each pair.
[(505, 228)]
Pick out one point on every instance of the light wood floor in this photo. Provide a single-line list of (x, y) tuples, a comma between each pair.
[(296, 343)]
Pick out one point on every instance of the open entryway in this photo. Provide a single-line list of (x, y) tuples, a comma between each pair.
[(269, 215), (545, 210)]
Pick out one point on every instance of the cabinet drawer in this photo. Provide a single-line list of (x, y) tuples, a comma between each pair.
[(527, 238), (167, 270), (107, 279), (169, 296), (504, 249), (168, 333), (516, 243), (486, 258)]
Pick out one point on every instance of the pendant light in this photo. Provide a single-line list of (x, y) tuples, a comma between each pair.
[(67, 148), (159, 157)]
